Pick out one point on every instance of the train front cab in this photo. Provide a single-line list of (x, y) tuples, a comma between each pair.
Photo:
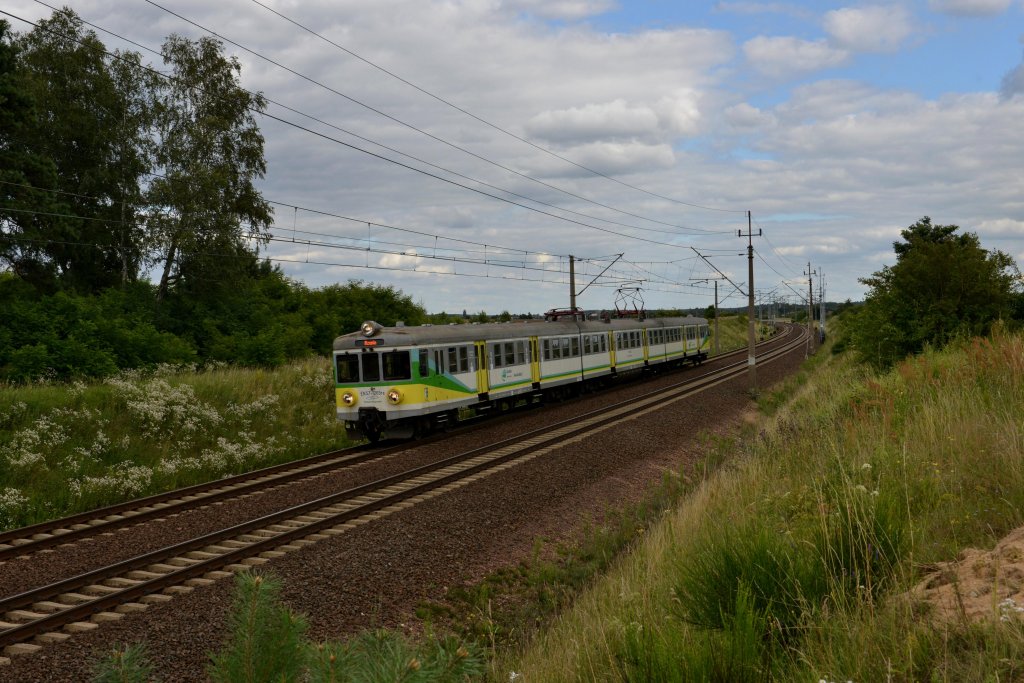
[(401, 392)]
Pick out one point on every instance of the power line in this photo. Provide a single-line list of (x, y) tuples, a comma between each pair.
[(802, 298), (407, 249), (333, 264), (358, 221), (393, 161), (484, 121), (400, 121), (518, 265)]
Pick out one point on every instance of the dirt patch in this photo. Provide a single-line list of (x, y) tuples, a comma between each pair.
[(978, 586)]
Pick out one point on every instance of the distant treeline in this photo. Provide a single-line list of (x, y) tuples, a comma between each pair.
[(129, 219), (265, 320)]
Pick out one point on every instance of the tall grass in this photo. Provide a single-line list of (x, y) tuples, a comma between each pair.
[(732, 331), (65, 448), (794, 560)]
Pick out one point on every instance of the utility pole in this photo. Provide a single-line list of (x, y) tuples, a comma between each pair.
[(751, 362), (716, 317), (810, 305), (572, 286), (821, 303)]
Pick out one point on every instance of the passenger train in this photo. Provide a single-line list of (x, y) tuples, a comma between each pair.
[(399, 382)]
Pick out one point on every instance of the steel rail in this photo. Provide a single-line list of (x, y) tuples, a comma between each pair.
[(64, 530), (507, 449)]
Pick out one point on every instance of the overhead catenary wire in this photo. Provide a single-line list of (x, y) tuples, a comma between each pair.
[(401, 248), (431, 235), (488, 123), (334, 264), (403, 123), (399, 163), (517, 265), (784, 279)]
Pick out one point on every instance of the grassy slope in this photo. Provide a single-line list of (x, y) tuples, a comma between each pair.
[(840, 498), (65, 448)]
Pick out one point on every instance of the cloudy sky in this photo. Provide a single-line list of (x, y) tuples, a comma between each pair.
[(528, 130)]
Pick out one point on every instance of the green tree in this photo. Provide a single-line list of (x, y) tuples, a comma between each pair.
[(26, 176), (210, 150), (91, 119), (338, 309), (943, 285)]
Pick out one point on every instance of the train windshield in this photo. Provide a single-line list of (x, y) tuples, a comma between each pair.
[(348, 368), (396, 365), (371, 367)]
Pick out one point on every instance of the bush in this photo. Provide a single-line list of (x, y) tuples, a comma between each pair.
[(782, 580)]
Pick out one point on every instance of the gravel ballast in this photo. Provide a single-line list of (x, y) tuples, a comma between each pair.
[(375, 574)]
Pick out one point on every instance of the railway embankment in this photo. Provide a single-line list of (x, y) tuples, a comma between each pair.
[(860, 527)]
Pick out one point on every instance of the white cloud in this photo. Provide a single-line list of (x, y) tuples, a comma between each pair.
[(561, 9), (670, 110), (1002, 226), (615, 158), (743, 116), (609, 120), (780, 57), (869, 29), (969, 8)]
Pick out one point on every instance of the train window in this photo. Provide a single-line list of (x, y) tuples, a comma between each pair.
[(691, 333), (424, 363), (586, 344), (510, 353), (396, 365), (547, 349), (348, 368), (463, 359), (496, 355), (703, 331), (439, 361), (604, 344), (521, 353), (575, 342), (371, 367), (453, 360)]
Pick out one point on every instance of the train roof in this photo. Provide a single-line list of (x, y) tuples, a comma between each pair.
[(427, 335)]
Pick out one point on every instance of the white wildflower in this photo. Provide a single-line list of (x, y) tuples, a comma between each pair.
[(1009, 609), (11, 500)]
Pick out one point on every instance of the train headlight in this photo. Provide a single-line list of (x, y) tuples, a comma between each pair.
[(369, 328), (348, 398), (394, 396)]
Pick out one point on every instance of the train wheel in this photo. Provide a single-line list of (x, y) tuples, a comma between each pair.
[(373, 434)]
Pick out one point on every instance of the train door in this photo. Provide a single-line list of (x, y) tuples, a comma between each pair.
[(481, 367), (535, 360)]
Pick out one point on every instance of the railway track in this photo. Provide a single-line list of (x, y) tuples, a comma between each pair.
[(54, 612), (24, 541)]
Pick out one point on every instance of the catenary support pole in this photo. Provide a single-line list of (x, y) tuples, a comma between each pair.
[(751, 341), (572, 285)]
